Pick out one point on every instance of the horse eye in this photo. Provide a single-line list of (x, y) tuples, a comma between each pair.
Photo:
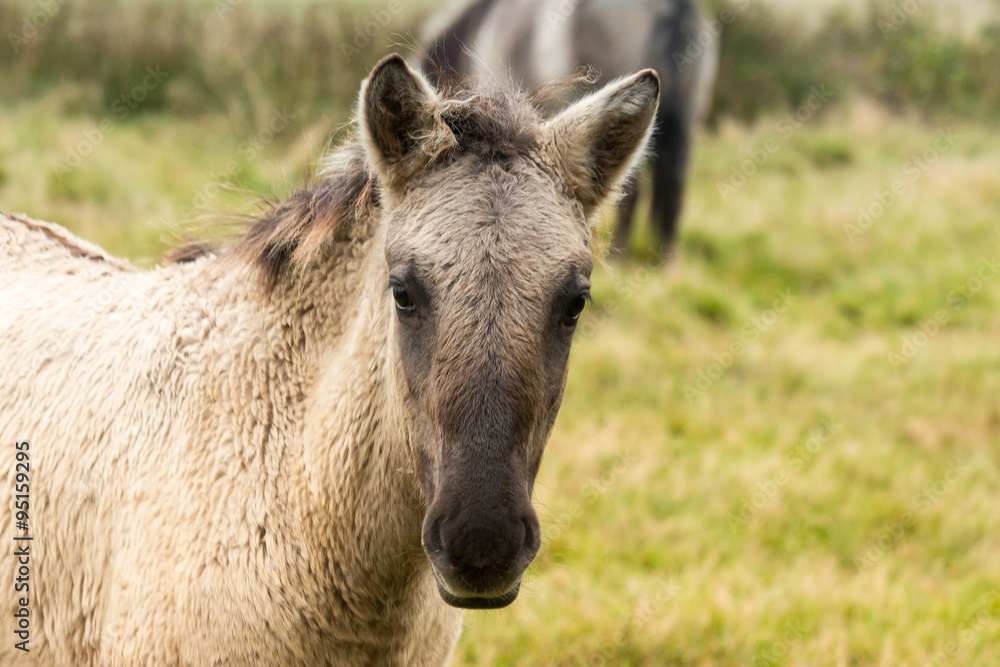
[(403, 301), (574, 309)]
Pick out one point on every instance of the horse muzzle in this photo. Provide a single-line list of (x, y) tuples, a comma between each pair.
[(478, 564)]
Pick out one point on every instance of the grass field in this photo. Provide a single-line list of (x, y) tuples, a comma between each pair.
[(781, 449)]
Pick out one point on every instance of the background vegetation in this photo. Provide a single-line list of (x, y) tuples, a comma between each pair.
[(779, 450)]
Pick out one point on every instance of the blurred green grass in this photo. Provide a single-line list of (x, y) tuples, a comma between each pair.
[(726, 485)]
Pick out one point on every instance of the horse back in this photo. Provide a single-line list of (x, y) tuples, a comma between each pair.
[(24, 240)]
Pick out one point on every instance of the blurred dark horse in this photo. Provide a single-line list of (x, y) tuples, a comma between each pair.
[(538, 41)]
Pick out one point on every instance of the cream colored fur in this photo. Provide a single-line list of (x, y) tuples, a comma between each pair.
[(200, 493)]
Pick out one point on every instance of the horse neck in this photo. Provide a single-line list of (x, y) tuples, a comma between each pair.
[(364, 504)]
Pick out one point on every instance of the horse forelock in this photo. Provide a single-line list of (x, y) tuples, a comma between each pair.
[(494, 125)]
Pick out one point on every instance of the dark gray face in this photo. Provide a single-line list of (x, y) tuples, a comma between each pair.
[(488, 277)]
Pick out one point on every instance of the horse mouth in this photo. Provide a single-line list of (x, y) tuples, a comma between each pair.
[(475, 600), (498, 602)]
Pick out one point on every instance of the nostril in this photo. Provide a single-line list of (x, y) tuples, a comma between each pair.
[(532, 536), (448, 543), (431, 536)]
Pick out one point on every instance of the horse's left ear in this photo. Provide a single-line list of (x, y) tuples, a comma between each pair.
[(597, 141), (398, 125)]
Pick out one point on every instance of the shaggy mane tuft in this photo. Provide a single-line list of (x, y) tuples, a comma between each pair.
[(293, 230)]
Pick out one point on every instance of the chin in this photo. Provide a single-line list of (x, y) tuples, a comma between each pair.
[(479, 602)]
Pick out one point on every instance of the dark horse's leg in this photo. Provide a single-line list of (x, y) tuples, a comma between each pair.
[(626, 211), (673, 142)]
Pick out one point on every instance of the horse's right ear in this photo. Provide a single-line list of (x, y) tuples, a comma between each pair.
[(398, 125), (597, 141)]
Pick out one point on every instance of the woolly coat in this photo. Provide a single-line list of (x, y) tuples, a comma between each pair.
[(190, 467)]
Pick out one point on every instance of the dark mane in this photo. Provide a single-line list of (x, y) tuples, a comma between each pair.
[(298, 226)]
